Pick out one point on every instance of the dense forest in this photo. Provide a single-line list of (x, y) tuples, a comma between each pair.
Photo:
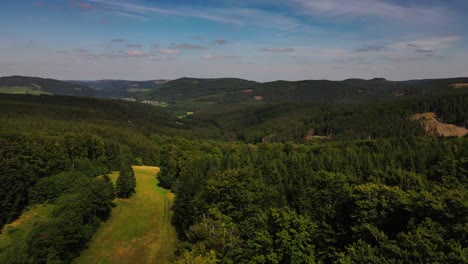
[(373, 201), (267, 183)]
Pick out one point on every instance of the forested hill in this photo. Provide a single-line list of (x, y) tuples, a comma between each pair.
[(85, 110), (188, 88), (308, 91), (35, 85), (194, 93), (121, 88)]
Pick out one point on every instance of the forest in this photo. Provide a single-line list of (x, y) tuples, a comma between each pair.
[(371, 187)]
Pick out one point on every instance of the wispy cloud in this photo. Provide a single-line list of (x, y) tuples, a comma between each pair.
[(155, 58), (147, 10), (166, 51), (408, 58), (81, 50), (221, 42), (431, 43), (371, 48), (135, 46), (219, 57), (80, 4), (424, 51), (135, 53), (130, 15), (374, 8), (228, 15), (279, 50), (187, 46)]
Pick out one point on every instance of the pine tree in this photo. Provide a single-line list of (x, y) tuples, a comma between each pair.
[(126, 182)]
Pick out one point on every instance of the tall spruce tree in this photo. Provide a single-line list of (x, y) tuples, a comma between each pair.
[(126, 182)]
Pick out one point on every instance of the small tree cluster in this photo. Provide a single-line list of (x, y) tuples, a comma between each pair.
[(126, 182)]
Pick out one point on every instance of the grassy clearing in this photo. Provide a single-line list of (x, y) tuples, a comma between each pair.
[(139, 229), (21, 90), (17, 231)]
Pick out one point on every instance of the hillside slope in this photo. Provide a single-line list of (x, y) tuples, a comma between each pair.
[(190, 94), (49, 86), (121, 88)]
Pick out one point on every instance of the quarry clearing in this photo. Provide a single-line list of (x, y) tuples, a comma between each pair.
[(436, 128), (460, 85)]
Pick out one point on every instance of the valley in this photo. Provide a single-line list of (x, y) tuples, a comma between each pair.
[(234, 132)]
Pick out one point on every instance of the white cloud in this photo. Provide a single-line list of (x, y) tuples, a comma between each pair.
[(218, 57), (429, 43), (187, 46), (155, 58), (277, 50), (166, 51), (135, 53)]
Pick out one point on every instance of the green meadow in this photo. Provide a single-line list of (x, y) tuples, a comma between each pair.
[(138, 90), (139, 229), (21, 227), (21, 90)]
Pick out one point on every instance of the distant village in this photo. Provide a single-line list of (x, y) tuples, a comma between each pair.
[(150, 102)]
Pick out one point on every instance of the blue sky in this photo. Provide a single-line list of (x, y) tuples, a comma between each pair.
[(253, 39)]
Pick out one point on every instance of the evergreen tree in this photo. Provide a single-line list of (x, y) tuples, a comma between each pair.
[(126, 182)]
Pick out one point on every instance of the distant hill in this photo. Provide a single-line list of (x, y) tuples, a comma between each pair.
[(187, 88), (122, 88), (63, 113), (35, 85), (191, 94)]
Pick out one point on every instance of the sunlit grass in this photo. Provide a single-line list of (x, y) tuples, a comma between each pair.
[(139, 229), (21, 90)]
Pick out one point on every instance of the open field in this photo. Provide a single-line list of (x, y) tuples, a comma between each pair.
[(139, 229), (19, 229), (21, 90)]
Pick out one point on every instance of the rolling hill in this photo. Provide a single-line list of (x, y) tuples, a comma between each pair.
[(35, 85), (230, 90), (121, 88)]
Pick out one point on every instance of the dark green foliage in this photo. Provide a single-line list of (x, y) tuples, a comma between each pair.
[(126, 182), (13, 189), (48, 189), (372, 189), (76, 215), (285, 237), (378, 201)]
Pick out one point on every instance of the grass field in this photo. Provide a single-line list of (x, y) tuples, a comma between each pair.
[(21, 90), (139, 229), (18, 229)]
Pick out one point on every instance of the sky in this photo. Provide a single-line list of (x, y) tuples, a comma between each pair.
[(261, 40)]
